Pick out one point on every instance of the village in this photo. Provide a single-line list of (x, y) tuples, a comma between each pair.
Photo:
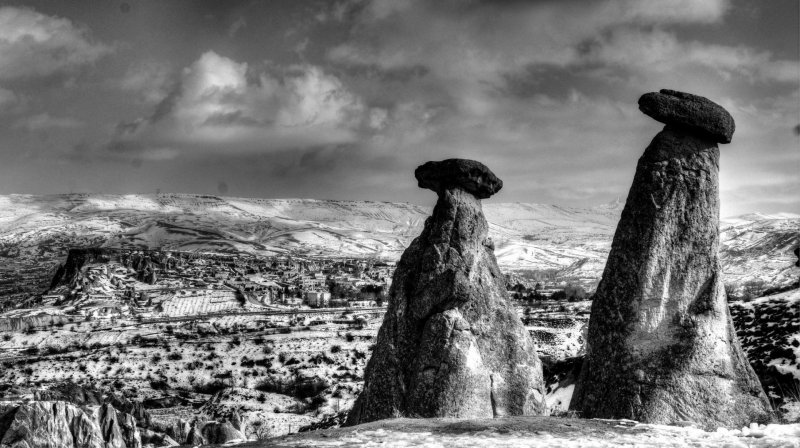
[(120, 281), (124, 283)]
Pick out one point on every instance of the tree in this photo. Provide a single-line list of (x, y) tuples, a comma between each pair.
[(575, 293), (343, 291)]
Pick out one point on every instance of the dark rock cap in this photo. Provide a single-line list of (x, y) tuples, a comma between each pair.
[(690, 112), (469, 175)]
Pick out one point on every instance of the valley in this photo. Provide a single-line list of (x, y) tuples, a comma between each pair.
[(233, 319)]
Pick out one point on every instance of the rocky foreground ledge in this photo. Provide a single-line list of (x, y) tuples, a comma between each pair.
[(535, 431)]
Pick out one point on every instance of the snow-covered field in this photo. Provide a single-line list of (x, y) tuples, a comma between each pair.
[(537, 432)]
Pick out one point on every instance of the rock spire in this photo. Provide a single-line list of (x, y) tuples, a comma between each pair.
[(661, 346), (451, 344)]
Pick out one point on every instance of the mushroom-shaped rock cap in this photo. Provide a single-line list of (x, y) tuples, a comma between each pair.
[(690, 112), (469, 175)]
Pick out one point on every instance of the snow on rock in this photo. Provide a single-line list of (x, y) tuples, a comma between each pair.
[(537, 431)]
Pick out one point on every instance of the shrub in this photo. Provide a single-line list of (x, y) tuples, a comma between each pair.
[(336, 348), (175, 356), (209, 388), (159, 385), (246, 362), (317, 402), (349, 337), (193, 365)]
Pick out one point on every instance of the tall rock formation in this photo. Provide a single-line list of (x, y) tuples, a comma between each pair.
[(661, 346), (56, 424), (451, 345)]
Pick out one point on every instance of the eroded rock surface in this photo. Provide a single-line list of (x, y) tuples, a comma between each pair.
[(468, 175), (451, 345), (661, 344), (695, 114), (59, 424)]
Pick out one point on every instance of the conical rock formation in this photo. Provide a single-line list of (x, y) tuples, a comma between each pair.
[(451, 345), (661, 346)]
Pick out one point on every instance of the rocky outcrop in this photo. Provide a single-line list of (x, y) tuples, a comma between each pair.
[(126, 415), (221, 432), (106, 417), (131, 436), (661, 347), (451, 345), (53, 424), (81, 423), (195, 436), (69, 273), (691, 113), (157, 439), (71, 393), (468, 175)]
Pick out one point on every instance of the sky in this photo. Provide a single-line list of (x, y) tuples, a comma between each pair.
[(342, 99)]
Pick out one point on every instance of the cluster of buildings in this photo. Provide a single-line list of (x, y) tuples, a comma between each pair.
[(144, 278)]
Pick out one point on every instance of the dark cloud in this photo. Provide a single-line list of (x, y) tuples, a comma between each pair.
[(344, 99), (234, 118)]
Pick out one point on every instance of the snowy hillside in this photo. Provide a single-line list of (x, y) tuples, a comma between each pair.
[(36, 231), (535, 431)]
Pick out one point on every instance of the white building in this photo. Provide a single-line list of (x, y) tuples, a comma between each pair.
[(318, 299)]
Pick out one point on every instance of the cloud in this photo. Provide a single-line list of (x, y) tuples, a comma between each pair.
[(36, 45), (656, 51), (237, 25), (545, 92), (472, 47), (219, 105), (7, 98), (450, 36), (45, 122), (150, 81)]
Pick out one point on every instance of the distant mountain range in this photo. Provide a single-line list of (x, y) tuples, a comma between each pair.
[(573, 241)]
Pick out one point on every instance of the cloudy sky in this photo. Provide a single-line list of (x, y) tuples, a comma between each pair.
[(343, 99)]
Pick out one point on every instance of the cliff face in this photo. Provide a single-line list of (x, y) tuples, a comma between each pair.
[(661, 344), (450, 344), (69, 274), (58, 424)]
